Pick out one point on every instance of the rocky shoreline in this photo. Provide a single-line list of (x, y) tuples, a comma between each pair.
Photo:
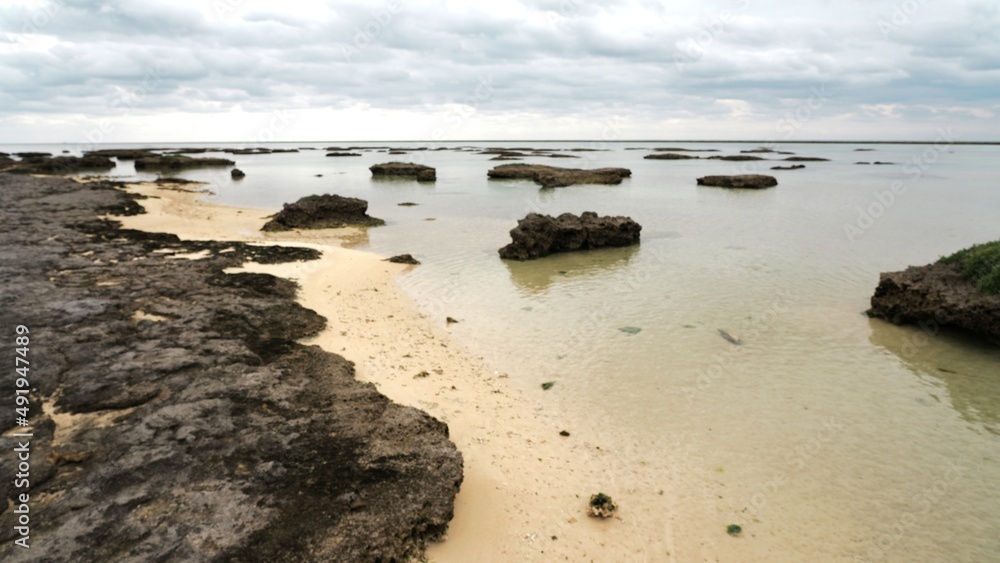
[(181, 420), (934, 296)]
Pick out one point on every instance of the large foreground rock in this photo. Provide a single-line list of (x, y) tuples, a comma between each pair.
[(936, 295), (322, 212), (419, 171), (540, 235), (747, 181), (191, 426), (556, 177)]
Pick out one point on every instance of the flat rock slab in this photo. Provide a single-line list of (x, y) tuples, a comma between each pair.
[(670, 156), (938, 294), (540, 235), (556, 177), (178, 162), (745, 181), (419, 171), (322, 212), (40, 163), (194, 427)]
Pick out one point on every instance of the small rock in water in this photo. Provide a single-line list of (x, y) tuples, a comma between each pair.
[(403, 259), (407, 204), (236, 173), (630, 329), (548, 385)]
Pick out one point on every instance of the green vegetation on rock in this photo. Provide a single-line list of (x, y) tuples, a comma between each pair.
[(980, 264)]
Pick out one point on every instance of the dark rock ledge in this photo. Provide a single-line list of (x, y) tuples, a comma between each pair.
[(201, 431), (555, 177), (945, 293)]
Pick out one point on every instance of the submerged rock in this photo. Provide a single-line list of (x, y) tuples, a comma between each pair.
[(540, 235), (747, 181), (555, 177), (962, 290), (322, 212), (792, 167), (419, 171)]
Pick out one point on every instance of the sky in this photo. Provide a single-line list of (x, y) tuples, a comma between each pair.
[(114, 71)]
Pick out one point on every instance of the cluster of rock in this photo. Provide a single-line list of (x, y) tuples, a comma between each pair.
[(554, 177), (735, 157), (322, 212), (405, 169), (540, 235), (197, 428)]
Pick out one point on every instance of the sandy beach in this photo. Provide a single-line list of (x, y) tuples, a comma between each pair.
[(526, 488)]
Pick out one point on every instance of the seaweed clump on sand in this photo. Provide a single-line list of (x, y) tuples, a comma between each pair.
[(601, 506)]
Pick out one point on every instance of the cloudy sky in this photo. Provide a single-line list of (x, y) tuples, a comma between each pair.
[(311, 70)]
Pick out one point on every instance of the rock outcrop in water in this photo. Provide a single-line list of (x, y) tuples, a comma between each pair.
[(191, 425), (745, 181), (419, 171), (540, 235), (670, 156), (944, 293), (556, 177), (322, 212), (121, 154), (178, 162)]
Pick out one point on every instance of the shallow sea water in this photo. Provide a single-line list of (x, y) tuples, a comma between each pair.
[(827, 435)]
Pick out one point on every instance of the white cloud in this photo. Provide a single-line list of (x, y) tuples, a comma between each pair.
[(683, 69)]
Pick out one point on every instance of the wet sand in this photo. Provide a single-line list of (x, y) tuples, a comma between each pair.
[(526, 487)]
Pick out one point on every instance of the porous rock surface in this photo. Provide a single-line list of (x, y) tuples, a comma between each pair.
[(540, 235), (322, 212), (936, 293), (188, 424)]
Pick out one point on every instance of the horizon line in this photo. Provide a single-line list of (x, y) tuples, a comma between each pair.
[(431, 141)]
